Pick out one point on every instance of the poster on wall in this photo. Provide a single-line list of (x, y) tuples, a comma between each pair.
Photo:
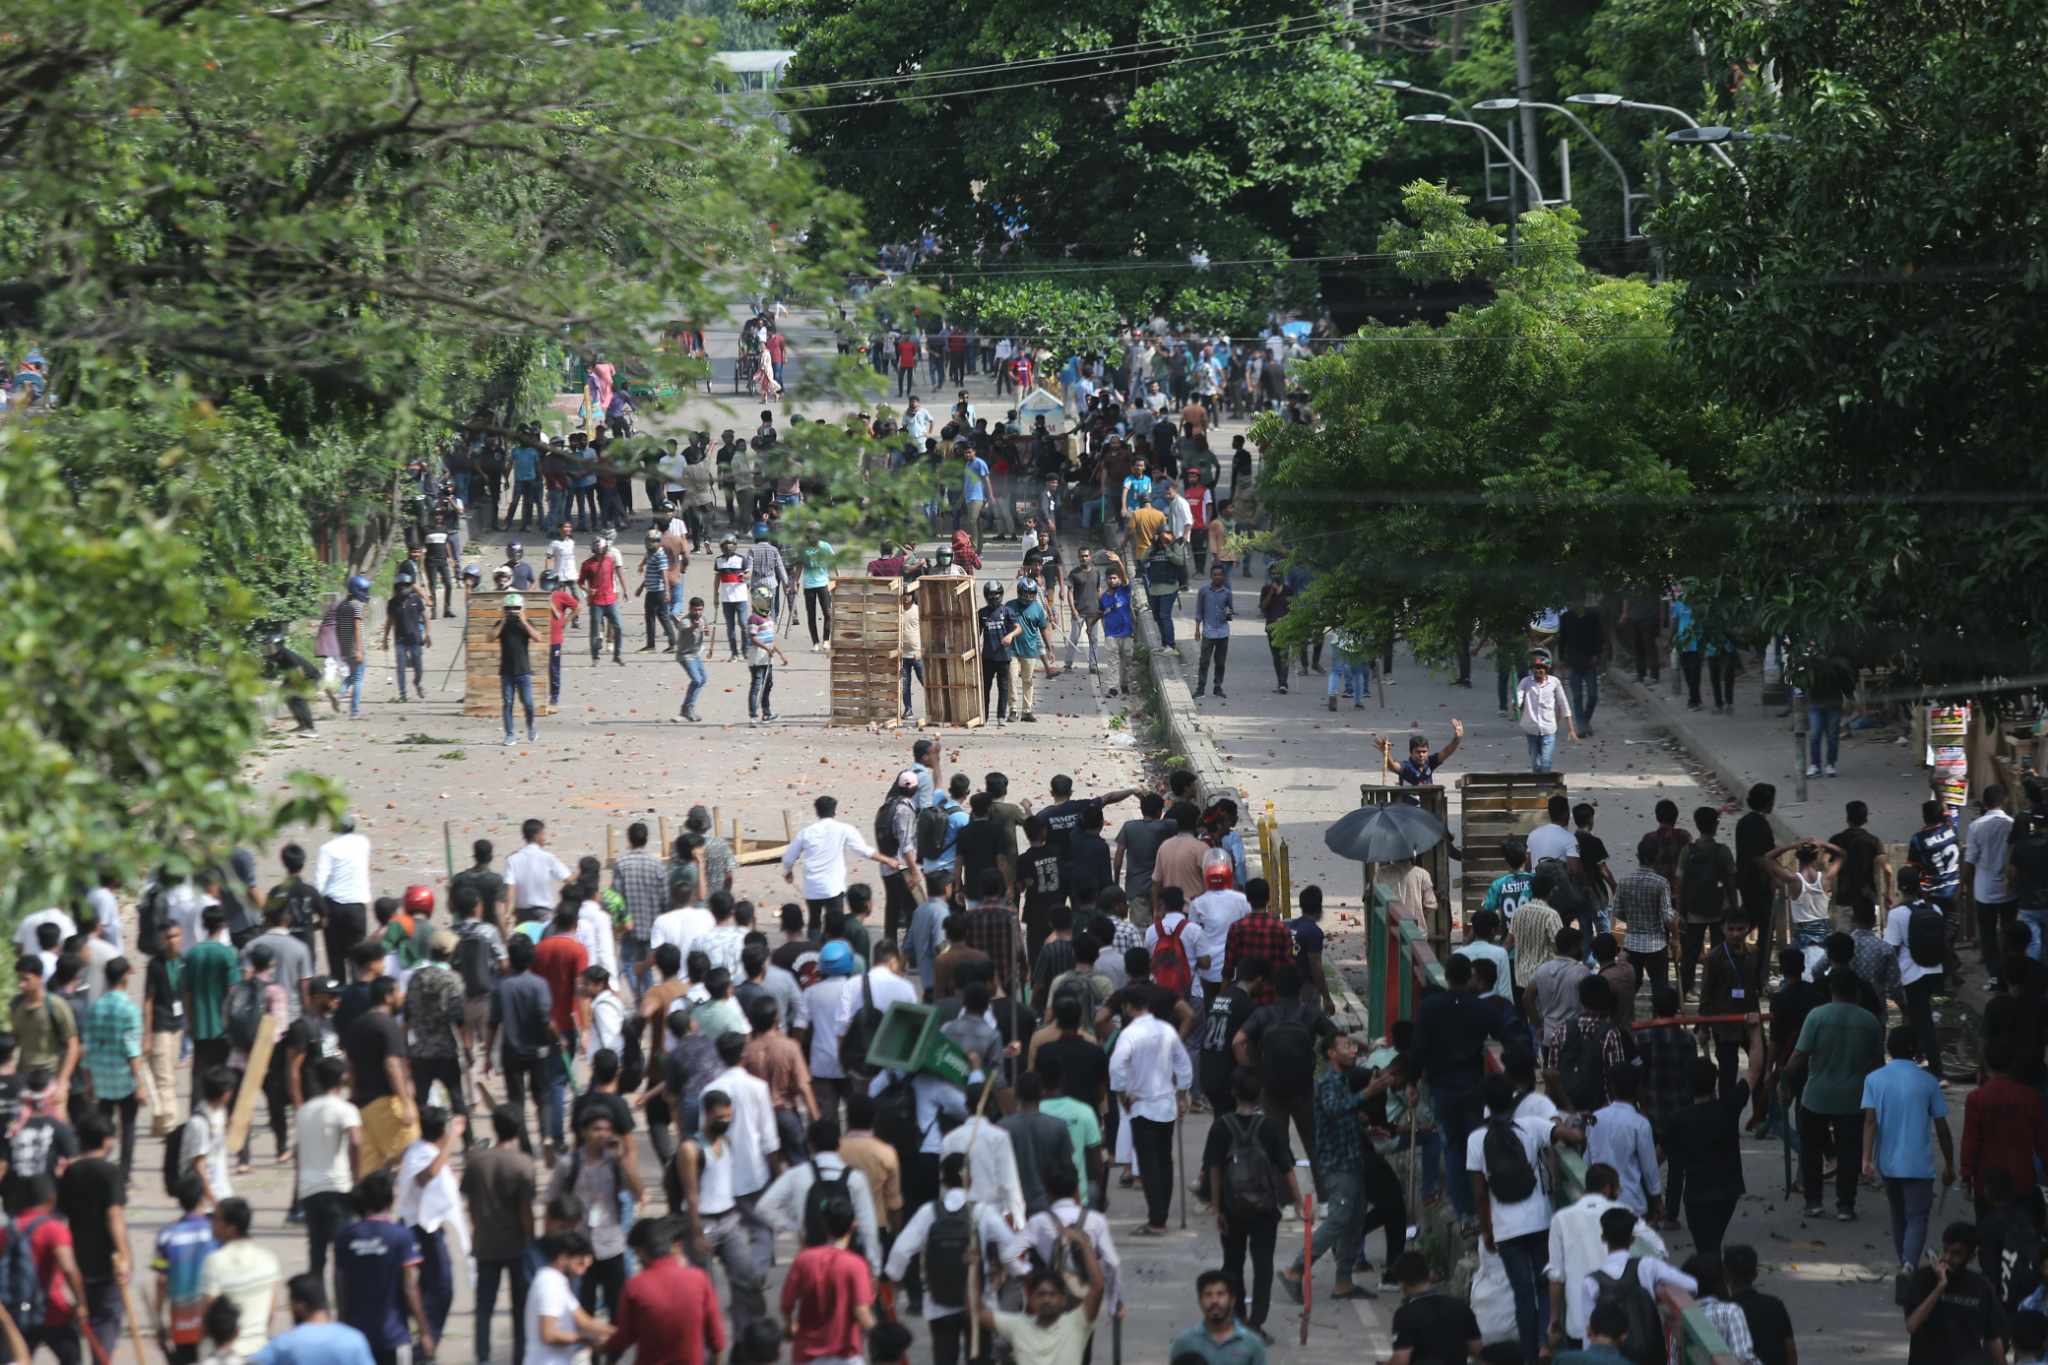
[(1947, 728)]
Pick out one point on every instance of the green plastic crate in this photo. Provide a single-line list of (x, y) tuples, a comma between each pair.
[(909, 1041)]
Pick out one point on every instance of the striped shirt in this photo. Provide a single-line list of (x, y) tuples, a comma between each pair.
[(656, 573), (112, 1035)]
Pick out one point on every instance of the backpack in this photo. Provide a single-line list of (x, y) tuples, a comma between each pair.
[(245, 1013), (1582, 1067), (948, 1248), (896, 1117), (149, 918), (1283, 1065), (853, 1045), (1170, 965), (1643, 1343), (933, 825), (174, 1158), (1567, 897), (1926, 935), (21, 1289), (1510, 1176), (885, 827), (826, 1194), (1700, 873), (1251, 1187), (476, 964)]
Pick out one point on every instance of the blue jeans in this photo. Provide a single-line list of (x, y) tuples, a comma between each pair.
[(694, 666), (912, 668), (1542, 750), (437, 1277), (1162, 615), (554, 674), (2037, 927), (413, 657), (520, 687), (1823, 723), (1584, 685), (1338, 1233), (1812, 934), (1524, 1259), (354, 687), (633, 961), (609, 611), (760, 690), (1349, 675), (1910, 1201), (1457, 1108)]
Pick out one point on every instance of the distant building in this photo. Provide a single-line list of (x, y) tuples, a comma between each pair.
[(760, 69)]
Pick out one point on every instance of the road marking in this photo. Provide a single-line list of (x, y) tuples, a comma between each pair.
[(1377, 1346)]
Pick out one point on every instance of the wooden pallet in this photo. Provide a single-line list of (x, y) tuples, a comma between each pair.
[(1496, 805), (867, 673), (484, 608), (949, 629)]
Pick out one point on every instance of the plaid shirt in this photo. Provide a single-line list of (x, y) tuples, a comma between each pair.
[(1126, 936), (1257, 935), (642, 879), (1733, 1325), (1642, 900), (1337, 1143), (993, 927), (111, 1035), (1876, 962), (1668, 1055)]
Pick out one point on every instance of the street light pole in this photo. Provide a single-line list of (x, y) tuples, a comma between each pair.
[(1617, 102), (1627, 196), (1488, 134), (1525, 84)]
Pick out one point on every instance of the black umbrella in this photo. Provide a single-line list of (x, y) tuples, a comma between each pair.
[(1384, 834)]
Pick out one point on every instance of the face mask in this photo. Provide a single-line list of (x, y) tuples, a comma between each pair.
[(715, 1130)]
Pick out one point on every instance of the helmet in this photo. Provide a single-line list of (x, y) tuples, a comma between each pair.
[(514, 550), (667, 505), (472, 573), (419, 900), (836, 958), (992, 591), (1027, 587), (601, 540), (514, 602), (549, 578), (653, 537), (501, 577), (1217, 870), (403, 580), (359, 588)]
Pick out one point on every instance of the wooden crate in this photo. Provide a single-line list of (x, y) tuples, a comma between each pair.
[(1435, 800), (1494, 806), (867, 617), (481, 695), (951, 636)]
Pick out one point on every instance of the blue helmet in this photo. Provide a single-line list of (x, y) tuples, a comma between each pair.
[(836, 958), (359, 588)]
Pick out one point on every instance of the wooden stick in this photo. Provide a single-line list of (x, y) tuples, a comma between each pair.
[(611, 846), (252, 1082), (1180, 1152), (662, 821), (788, 829), (448, 848), (1308, 1265), (134, 1323), (718, 818)]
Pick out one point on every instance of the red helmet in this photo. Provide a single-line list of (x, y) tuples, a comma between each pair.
[(419, 900), (1217, 871)]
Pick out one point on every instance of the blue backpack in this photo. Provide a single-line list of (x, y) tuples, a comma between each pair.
[(21, 1289)]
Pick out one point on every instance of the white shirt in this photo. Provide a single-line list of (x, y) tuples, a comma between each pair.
[(1151, 1066), (887, 988), (341, 872), (1895, 925), (607, 1023), (550, 1299), (1179, 516), (25, 932), (206, 1134), (1984, 849), (183, 905), (1192, 941), (1576, 1251), (1543, 706), (991, 1165), (562, 559), (782, 1207), (1044, 1231), (823, 846), (108, 909), (820, 1001), (1526, 1215), (594, 932), (1552, 840), (682, 928), (753, 1137), (1216, 911), (324, 1126), (436, 1204), (1650, 1273), (994, 1234), (534, 873)]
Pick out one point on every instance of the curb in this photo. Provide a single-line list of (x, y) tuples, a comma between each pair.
[(1691, 738), (1184, 731)]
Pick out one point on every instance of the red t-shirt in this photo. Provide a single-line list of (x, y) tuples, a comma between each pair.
[(558, 620), (775, 344), (558, 960), (670, 1312), (906, 355), (824, 1286), (601, 577), (54, 1233)]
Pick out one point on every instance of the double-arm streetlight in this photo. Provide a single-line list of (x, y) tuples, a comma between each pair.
[(1536, 188), (1628, 197), (1605, 101)]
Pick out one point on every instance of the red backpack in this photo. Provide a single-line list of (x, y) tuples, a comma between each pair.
[(1170, 965)]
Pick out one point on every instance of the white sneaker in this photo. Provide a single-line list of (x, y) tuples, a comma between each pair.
[(1812, 770), (1831, 770)]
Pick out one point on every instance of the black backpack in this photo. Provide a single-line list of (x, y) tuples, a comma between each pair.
[(245, 1013), (149, 920), (1926, 935), (476, 964), (1582, 1066), (932, 825), (1287, 1053), (948, 1250), (1700, 875), (21, 1289), (174, 1158), (1643, 1343), (1510, 1176), (1251, 1187), (853, 1046), (826, 1194), (886, 841), (1567, 897)]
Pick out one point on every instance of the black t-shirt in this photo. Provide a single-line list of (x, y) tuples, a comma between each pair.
[(1062, 820), (1592, 856), (978, 846), (1770, 1326), (369, 1042), (314, 1035), (165, 1014), (1288, 1035), (1752, 841), (1857, 879), (1967, 1316), (86, 1190), (408, 615), (1790, 1004), (1086, 868), (1227, 1014), (613, 1107), (1084, 1067), (2030, 871), (1038, 868), (514, 657), (1435, 1328), (1265, 1129)]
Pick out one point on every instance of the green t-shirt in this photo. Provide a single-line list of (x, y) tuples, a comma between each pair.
[(211, 970), (1030, 642), (858, 938), (42, 1034), (1843, 1044), (817, 565), (1082, 1126)]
